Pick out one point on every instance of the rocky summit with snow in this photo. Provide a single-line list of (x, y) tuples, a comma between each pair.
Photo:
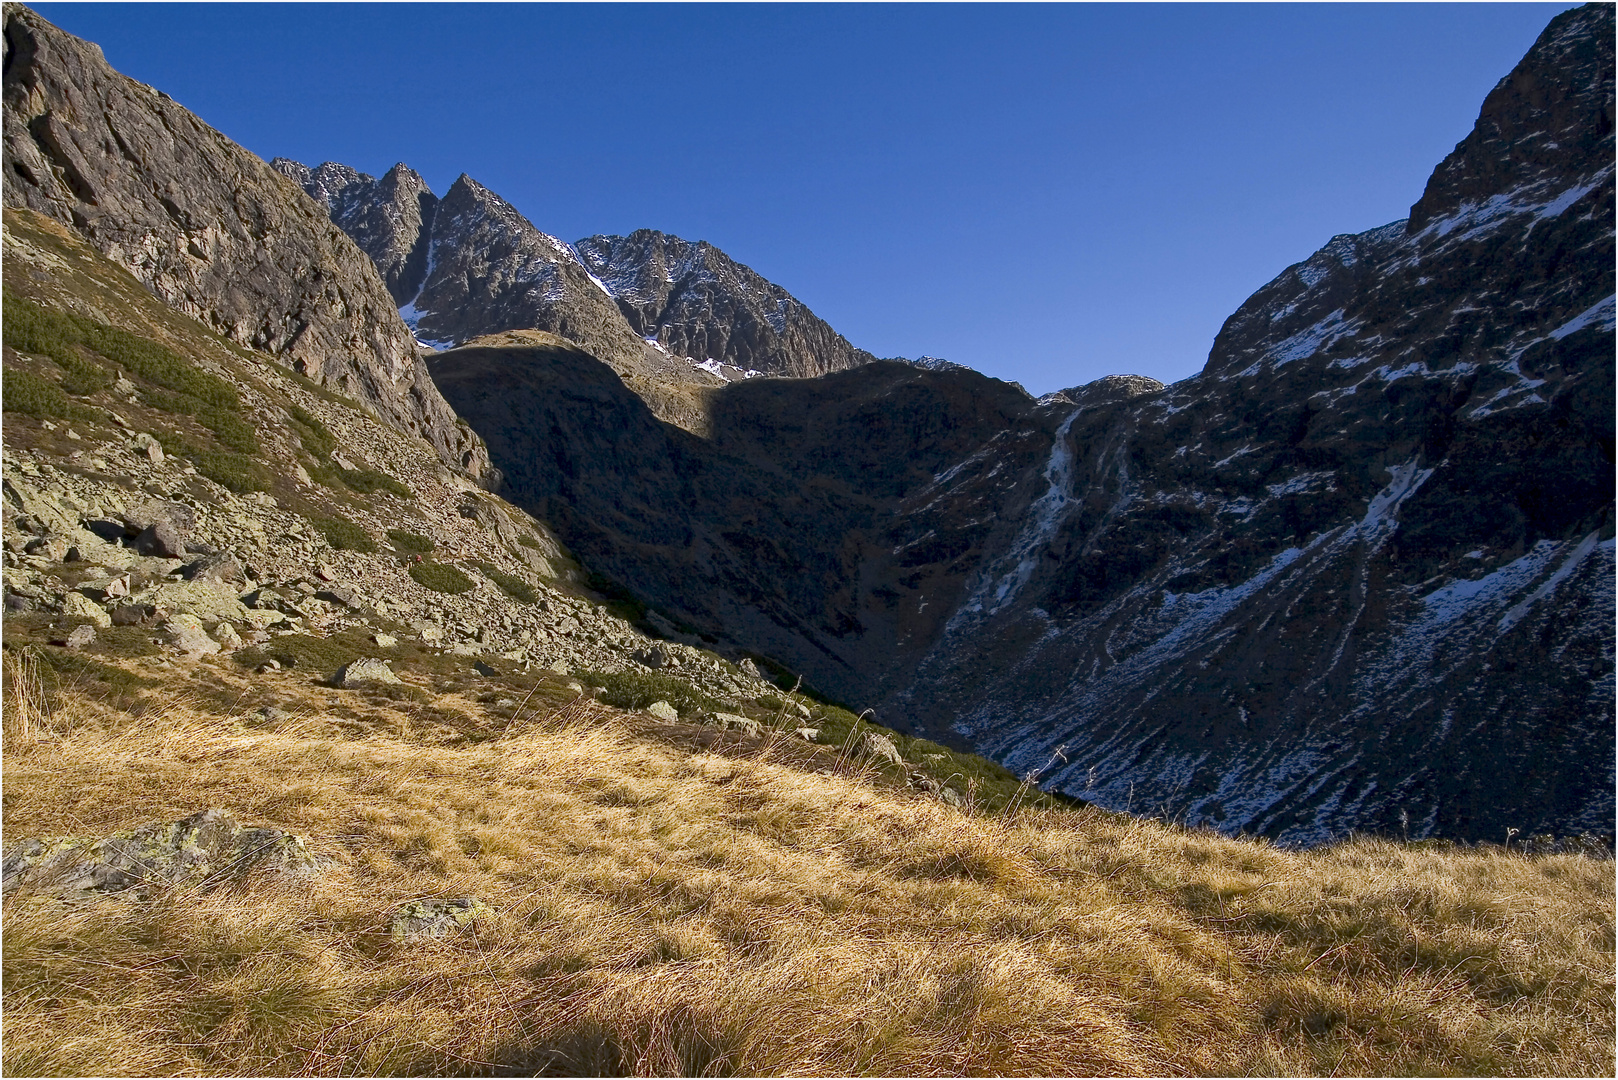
[(1357, 574)]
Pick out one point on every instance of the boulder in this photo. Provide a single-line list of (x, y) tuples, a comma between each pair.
[(147, 446), (79, 606), (206, 848), (161, 528), (384, 641), (663, 711), (82, 635), (227, 637), (733, 722), (209, 601), (653, 658), (186, 634), (880, 748), (219, 568), (435, 917), (364, 672)]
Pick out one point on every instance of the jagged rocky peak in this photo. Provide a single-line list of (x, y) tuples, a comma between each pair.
[(390, 219), (697, 302), (491, 269), (208, 227), (1110, 389), (1543, 128)]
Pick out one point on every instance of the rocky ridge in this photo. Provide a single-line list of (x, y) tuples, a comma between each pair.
[(207, 227), (471, 266), (697, 302)]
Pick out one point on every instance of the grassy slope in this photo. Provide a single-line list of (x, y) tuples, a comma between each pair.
[(661, 911)]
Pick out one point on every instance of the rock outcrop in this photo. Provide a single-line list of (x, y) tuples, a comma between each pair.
[(697, 302), (208, 227)]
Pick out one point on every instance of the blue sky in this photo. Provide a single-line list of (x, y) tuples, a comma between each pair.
[(1048, 193)]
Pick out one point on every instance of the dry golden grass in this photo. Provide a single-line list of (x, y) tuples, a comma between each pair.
[(661, 913)]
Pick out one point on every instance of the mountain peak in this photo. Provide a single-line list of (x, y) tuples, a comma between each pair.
[(1541, 128)]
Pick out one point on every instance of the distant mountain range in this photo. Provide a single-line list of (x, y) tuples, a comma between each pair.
[(469, 265)]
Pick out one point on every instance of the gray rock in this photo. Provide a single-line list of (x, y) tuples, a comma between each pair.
[(133, 614), (734, 722), (363, 672), (653, 658), (663, 711), (227, 637), (219, 567), (53, 547), (339, 596), (206, 848), (435, 917), (77, 605), (880, 748), (384, 641), (160, 540), (82, 635), (147, 446), (187, 635)]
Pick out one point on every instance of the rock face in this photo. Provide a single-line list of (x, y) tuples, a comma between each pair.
[(208, 227), (697, 302), (1360, 567), (390, 219)]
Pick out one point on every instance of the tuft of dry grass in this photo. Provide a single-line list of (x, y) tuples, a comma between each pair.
[(656, 912)]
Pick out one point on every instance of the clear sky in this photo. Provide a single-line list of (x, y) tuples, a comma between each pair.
[(1048, 193)]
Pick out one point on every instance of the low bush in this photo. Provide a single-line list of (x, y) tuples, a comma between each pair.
[(34, 395), (409, 542), (510, 584), (440, 577), (344, 535), (636, 690), (315, 436), (364, 481)]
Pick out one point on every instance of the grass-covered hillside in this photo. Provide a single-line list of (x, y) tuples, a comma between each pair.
[(663, 899)]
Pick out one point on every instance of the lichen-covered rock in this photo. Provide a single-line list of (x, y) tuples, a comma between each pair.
[(435, 917), (78, 606), (206, 848), (663, 711), (880, 748), (186, 634), (364, 672), (733, 722)]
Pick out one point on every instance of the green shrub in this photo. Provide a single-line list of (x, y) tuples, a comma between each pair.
[(344, 535), (34, 395), (413, 543), (440, 577), (370, 481), (364, 481), (510, 584), (315, 436), (636, 690)]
